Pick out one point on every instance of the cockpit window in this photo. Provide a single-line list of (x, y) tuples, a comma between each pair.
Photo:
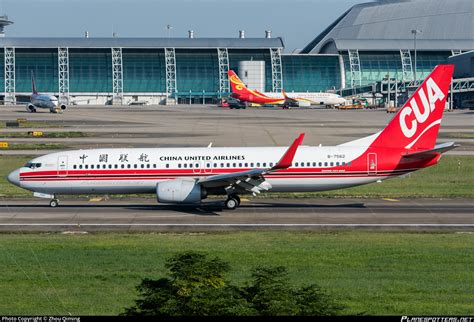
[(33, 165)]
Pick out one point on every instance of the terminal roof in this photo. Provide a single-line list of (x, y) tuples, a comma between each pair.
[(237, 43)]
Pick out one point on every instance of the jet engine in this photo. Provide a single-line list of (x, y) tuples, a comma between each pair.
[(31, 108), (63, 107), (180, 191)]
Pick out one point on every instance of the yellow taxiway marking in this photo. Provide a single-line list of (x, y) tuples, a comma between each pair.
[(390, 199), (244, 199), (96, 199)]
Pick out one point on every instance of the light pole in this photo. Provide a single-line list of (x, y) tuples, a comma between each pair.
[(169, 28), (415, 32)]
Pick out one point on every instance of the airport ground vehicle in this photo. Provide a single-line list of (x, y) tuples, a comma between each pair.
[(188, 175)]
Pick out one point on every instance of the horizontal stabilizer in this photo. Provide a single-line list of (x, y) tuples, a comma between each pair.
[(439, 148)]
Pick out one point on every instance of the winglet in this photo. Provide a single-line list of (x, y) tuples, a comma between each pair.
[(287, 159)]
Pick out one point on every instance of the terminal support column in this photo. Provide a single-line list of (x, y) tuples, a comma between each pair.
[(9, 74), (170, 62), (63, 71), (407, 67), (223, 58), (277, 74), (354, 62), (117, 74)]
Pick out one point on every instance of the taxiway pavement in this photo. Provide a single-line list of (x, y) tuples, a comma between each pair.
[(256, 214)]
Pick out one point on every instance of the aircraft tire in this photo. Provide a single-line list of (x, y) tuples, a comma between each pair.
[(232, 203), (54, 203), (236, 198)]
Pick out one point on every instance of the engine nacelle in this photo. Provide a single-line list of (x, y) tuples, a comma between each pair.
[(31, 108), (180, 191), (63, 107)]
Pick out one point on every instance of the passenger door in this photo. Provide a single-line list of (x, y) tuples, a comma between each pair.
[(372, 163), (62, 165)]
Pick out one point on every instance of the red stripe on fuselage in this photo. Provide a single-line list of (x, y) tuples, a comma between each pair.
[(169, 176), (188, 172)]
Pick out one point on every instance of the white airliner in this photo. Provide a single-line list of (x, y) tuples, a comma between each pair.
[(244, 94), (43, 101), (188, 175)]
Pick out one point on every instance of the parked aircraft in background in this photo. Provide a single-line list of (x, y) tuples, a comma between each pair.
[(43, 101), (241, 92), (188, 175)]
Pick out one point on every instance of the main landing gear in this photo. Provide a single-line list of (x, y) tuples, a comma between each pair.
[(54, 203), (232, 202)]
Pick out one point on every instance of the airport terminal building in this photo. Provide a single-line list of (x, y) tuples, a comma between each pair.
[(367, 43)]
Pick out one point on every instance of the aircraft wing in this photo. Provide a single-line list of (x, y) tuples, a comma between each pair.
[(439, 148), (238, 182), (251, 180), (289, 100)]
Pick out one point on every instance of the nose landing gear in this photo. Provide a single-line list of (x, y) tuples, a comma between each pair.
[(54, 203)]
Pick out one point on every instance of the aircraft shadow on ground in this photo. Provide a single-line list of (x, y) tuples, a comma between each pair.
[(210, 208), (204, 209)]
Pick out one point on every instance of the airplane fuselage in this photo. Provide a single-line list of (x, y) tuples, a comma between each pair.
[(308, 99), (44, 101), (188, 175), (109, 171)]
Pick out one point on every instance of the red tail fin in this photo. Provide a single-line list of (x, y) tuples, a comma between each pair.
[(416, 125), (238, 87), (33, 84)]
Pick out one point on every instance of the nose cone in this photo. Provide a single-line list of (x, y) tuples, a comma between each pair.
[(14, 177)]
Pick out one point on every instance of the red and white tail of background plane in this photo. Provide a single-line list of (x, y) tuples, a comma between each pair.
[(241, 92), (188, 175)]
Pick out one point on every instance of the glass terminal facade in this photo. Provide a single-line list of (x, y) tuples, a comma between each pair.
[(197, 70)]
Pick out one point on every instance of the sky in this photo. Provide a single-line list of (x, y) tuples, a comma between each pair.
[(297, 21)]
